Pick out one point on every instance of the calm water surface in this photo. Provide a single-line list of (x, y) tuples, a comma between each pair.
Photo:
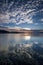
[(11, 39), (16, 48)]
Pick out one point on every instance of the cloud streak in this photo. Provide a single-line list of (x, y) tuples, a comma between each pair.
[(24, 13)]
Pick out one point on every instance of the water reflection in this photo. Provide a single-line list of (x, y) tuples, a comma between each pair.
[(7, 40), (21, 48), (27, 37)]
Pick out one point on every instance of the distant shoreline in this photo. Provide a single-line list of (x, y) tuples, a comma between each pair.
[(26, 32)]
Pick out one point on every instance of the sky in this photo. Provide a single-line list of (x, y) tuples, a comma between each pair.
[(21, 13)]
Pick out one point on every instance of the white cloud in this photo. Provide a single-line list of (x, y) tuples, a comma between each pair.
[(4, 17), (42, 19), (20, 14), (10, 6), (18, 17), (36, 23), (27, 28)]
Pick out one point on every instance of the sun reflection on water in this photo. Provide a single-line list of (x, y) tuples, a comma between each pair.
[(27, 37)]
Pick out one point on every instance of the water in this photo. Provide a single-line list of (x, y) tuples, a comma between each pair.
[(20, 44), (12, 39)]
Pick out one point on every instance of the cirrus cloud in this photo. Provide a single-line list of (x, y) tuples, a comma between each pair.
[(24, 13)]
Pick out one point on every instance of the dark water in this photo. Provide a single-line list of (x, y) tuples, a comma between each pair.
[(21, 48)]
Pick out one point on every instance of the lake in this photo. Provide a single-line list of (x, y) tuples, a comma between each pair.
[(19, 44)]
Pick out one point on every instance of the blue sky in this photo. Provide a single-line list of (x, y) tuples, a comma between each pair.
[(21, 13)]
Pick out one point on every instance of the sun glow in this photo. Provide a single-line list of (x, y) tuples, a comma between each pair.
[(27, 37)]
